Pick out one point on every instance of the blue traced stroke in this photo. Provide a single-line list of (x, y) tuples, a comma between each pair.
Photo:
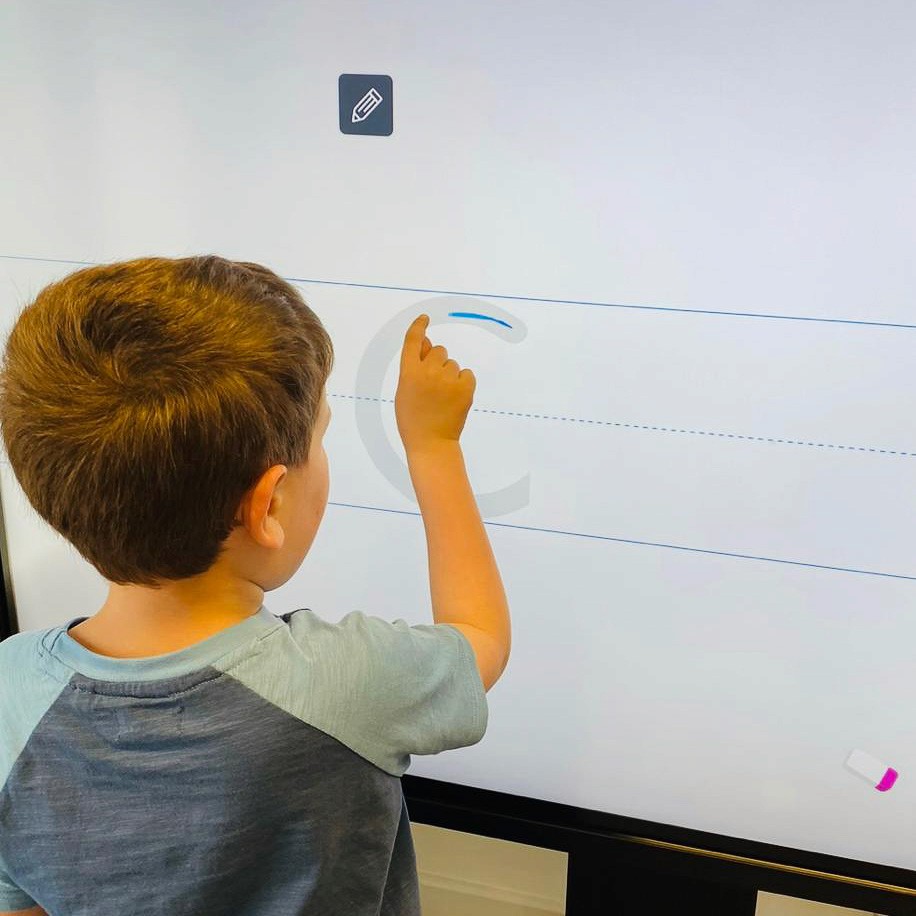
[(476, 315)]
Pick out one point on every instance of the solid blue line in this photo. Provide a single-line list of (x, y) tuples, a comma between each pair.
[(609, 305), (505, 324), (603, 537)]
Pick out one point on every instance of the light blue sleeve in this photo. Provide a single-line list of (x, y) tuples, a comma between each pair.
[(400, 689), (25, 696)]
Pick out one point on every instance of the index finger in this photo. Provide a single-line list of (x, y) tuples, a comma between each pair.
[(413, 340)]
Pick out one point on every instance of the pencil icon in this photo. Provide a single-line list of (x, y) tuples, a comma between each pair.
[(366, 105), (373, 114)]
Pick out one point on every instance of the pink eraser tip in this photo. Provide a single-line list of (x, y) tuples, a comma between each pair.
[(888, 780)]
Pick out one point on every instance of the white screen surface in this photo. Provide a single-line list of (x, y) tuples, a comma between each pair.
[(703, 517)]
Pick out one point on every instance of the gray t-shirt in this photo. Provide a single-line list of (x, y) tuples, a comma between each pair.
[(255, 773)]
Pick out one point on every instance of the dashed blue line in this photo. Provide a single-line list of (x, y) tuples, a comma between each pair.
[(583, 302), (602, 537), (667, 429)]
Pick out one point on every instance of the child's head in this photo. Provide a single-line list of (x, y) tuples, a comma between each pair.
[(144, 402)]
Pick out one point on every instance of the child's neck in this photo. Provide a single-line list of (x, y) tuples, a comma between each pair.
[(136, 621)]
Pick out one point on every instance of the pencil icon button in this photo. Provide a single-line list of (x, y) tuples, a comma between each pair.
[(365, 104)]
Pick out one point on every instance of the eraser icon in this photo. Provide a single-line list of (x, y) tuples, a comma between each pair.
[(879, 774)]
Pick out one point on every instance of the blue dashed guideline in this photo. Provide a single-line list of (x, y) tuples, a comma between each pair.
[(664, 429)]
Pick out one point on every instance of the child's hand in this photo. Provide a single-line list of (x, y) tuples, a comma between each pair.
[(434, 395)]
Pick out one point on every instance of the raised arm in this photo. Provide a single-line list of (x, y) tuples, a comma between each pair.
[(432, 403)]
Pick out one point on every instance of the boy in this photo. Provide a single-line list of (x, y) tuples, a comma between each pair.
[(183, 750)]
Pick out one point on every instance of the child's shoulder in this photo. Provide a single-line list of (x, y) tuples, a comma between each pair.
[(357, 627), (19, 654), (26, 692)]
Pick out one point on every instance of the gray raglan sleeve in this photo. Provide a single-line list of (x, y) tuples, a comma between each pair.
[(401, 689), (12, 898)]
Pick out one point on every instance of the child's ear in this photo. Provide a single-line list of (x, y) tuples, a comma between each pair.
[(259, 509), (275, 535)]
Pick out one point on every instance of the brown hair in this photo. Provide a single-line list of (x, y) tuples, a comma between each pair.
[(140, 400)]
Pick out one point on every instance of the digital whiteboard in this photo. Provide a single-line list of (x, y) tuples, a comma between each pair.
[(675, 243)]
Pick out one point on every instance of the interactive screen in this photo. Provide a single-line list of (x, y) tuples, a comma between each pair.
[(675, 242)]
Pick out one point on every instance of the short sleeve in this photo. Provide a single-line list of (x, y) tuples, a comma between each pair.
[(402, 689)]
